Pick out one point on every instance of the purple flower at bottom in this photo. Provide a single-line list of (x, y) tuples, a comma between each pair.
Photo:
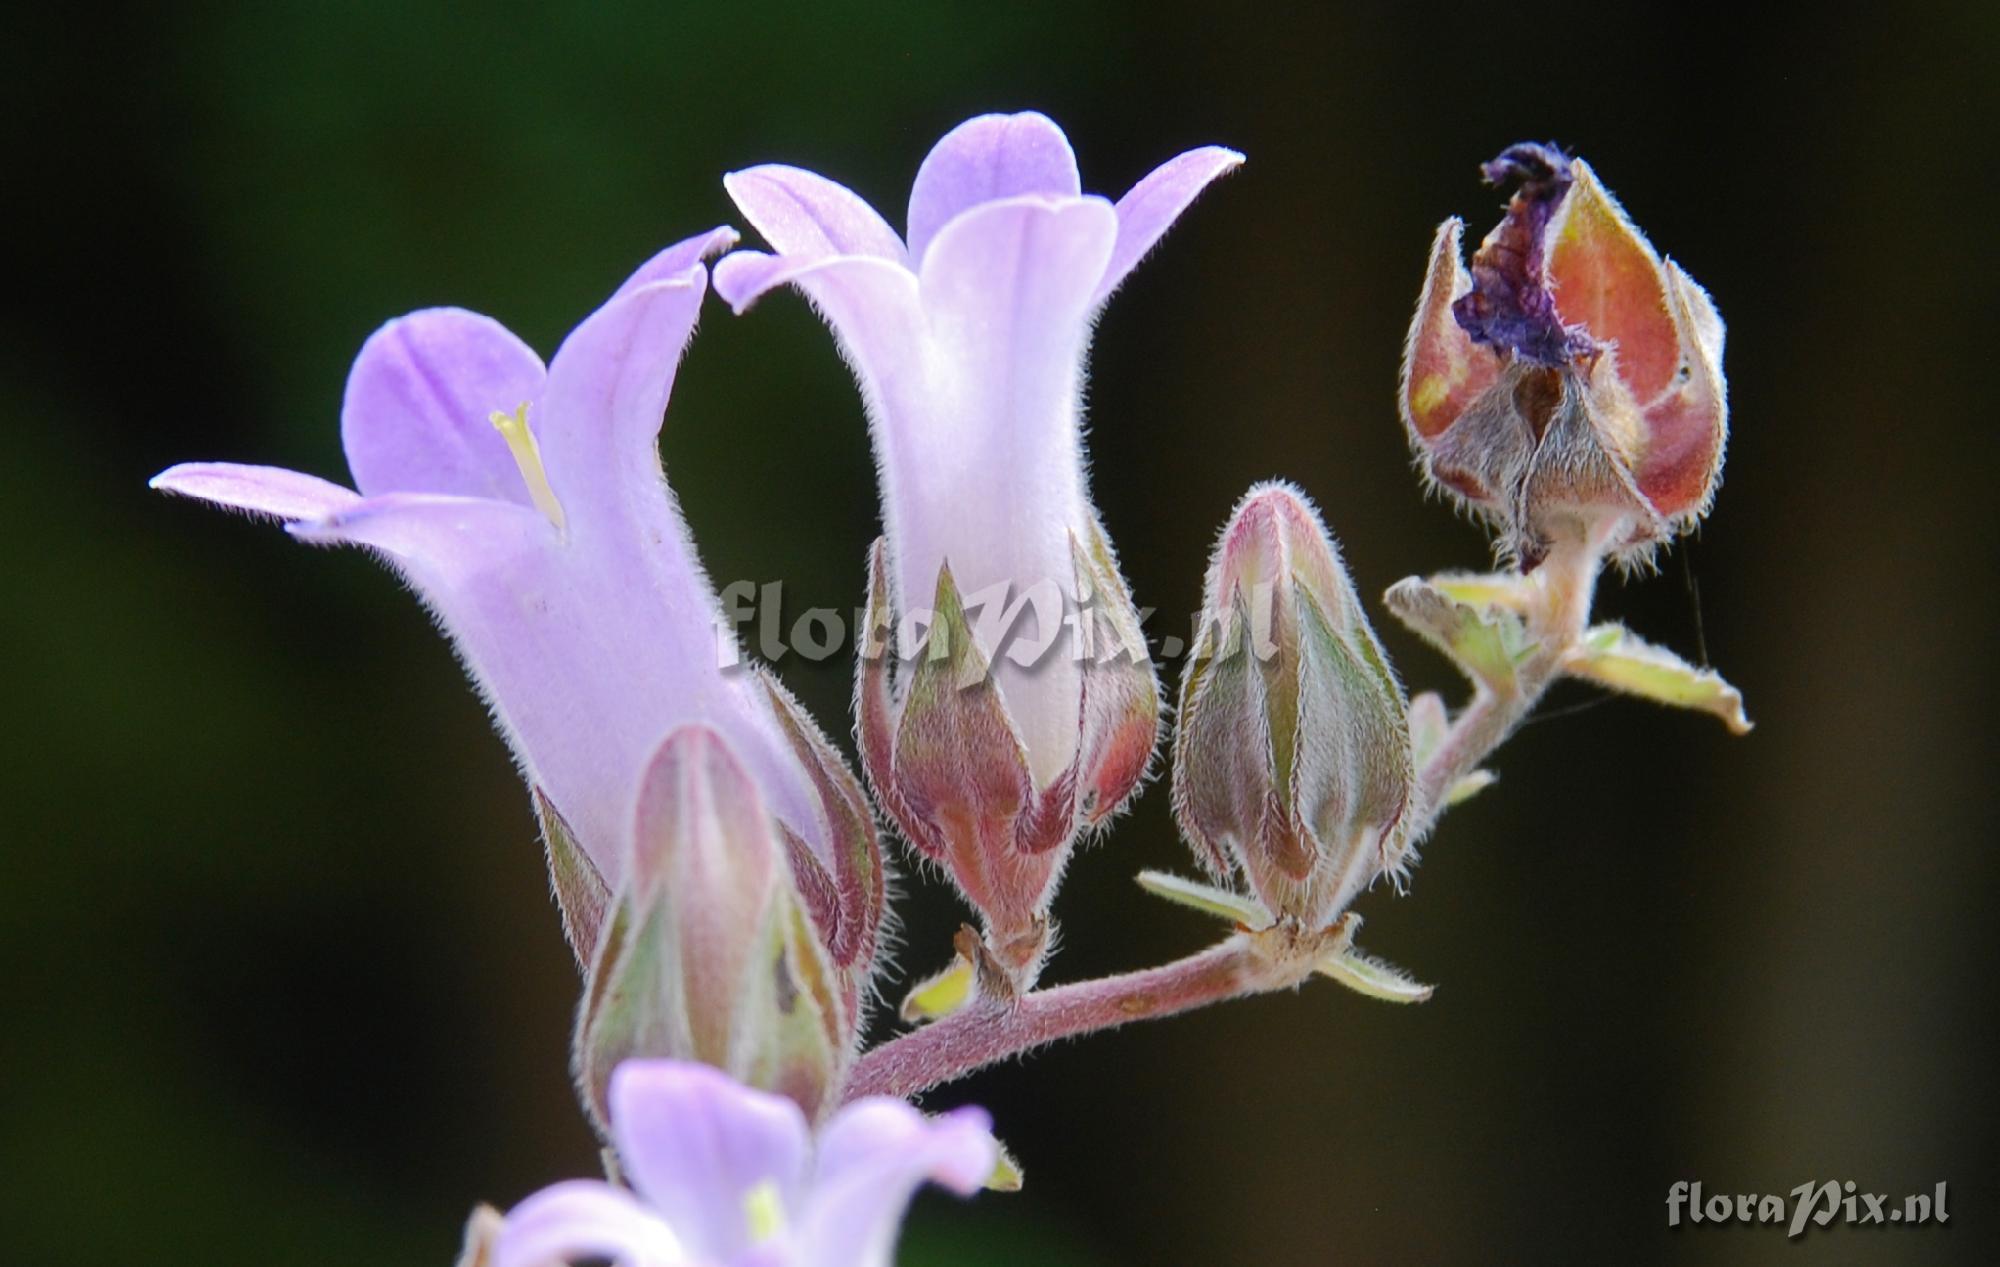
[(724, 1176)]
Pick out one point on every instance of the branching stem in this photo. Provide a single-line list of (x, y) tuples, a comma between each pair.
[(995, 1025), (998, 1024), (1556, 607)]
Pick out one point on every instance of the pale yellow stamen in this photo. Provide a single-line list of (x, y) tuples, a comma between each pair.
[(765, 1211), (513, 428)]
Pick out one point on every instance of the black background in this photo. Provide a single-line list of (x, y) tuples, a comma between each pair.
[(279, 981)]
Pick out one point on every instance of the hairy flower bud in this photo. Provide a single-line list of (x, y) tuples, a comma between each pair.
[(1569, 386), (708, 952), (952, 768), (1292, 755)]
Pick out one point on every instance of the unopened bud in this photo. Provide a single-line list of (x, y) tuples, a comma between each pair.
[(1569, 386), (708, 953), (1292, 755)]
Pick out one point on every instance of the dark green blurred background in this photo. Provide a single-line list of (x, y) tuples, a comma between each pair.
[(279, 978)]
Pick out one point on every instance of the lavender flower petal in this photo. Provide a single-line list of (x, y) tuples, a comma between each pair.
[(442, 539), (270, 491), (607, 394), (986, 470), (872, 1159), (416, 416), (871, 302), (725, 1176), (674, 261), (1150, 207), (585, 1219), (698, 1148), (983, 159), (804, 213)]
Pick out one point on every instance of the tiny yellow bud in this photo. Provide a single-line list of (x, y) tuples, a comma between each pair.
[(765, 1212)]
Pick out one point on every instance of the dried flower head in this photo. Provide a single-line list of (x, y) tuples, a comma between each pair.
[(1569, 386)]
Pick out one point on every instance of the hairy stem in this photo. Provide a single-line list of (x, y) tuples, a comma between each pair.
[(1556, 609), (1475, 733), (991, 1028), (998, 1024)]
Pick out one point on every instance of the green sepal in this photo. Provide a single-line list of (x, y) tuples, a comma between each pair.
[(1121, 693), (1367, 975), (633, 1005), (1470, 786), (858, 883), (955, 744), (581, 894), (1486, 641), (1007, 1175), (796, 1042), (1222, 764), (1614, 657), (1368, 706), (1484, 589), (1237, 908)]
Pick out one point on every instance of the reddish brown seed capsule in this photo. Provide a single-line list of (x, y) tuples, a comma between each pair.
[(1569, 384)]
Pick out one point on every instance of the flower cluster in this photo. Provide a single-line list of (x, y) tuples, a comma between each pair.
[(715, 860)]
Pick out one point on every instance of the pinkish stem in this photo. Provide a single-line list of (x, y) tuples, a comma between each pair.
[(1556, 611), (996, 1024), (988, 1030)]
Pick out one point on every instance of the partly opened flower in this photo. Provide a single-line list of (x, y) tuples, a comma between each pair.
[(1569, 387), (968, 338), (1291, 749), (723, 1176), (528, 509)]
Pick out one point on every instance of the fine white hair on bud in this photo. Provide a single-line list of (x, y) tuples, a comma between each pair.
[(1292, 753), (708, 952)]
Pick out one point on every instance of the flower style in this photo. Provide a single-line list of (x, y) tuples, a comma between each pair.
[(723, 1176), (1569, 387), (968, 340), (528, 509)]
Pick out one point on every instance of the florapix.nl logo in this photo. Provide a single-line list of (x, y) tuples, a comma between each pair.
[(1811, 1204)]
